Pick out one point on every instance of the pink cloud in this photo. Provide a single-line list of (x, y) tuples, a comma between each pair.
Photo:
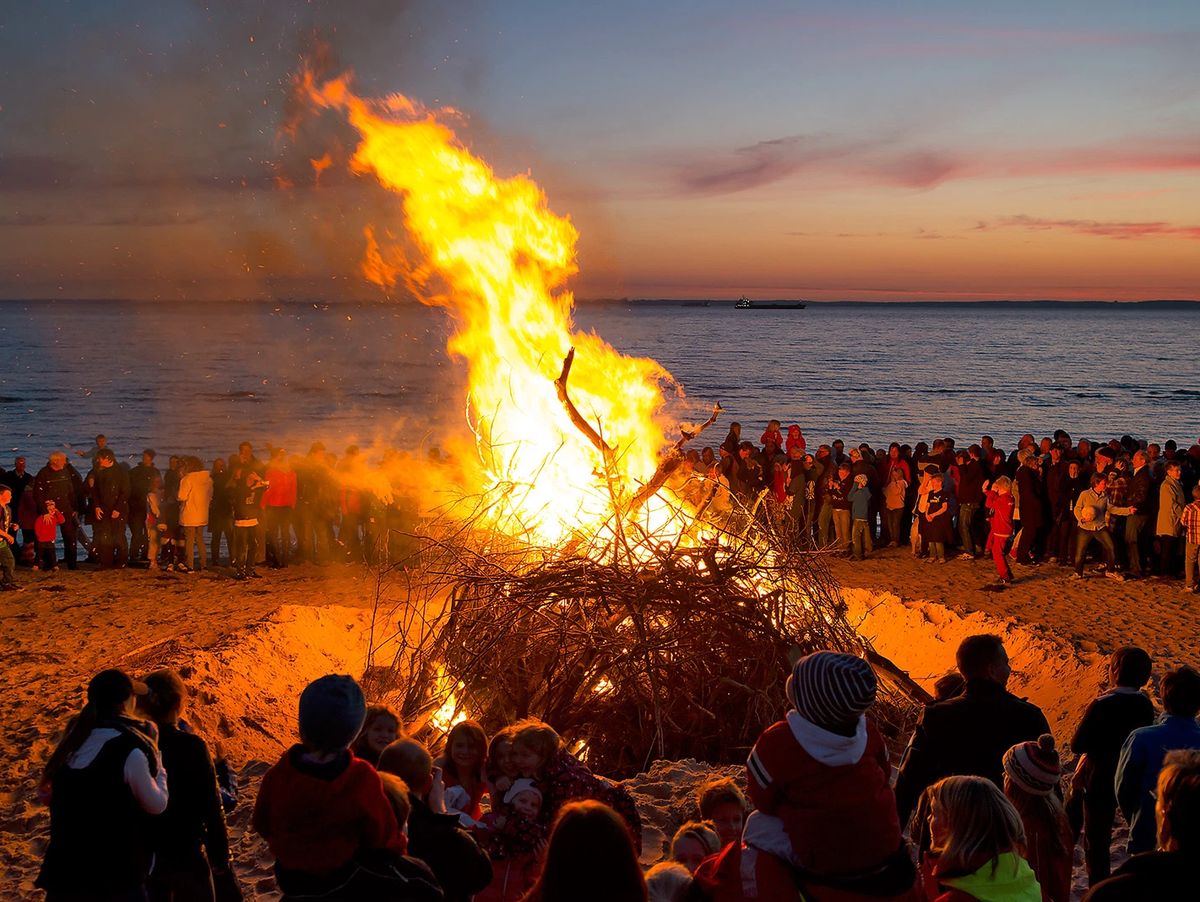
[(1119, 230)]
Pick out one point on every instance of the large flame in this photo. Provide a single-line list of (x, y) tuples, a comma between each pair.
[(501, 258)]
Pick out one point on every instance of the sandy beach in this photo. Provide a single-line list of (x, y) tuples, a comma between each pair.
[(246, 650)]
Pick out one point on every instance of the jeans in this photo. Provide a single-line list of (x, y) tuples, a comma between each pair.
[(860, 538), (1085, 537), (279, 533), (894, 517), (216, 529), (966, 516), (70, 536), (1191, 556), (137, 530), (245, 548), (1135, 525), (841, 525), (193, 538), (1030, 545), (937, 551), (112, 548), (1099, 813), (824, 523)]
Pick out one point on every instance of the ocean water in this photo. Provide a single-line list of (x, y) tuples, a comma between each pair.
[(200, 378)]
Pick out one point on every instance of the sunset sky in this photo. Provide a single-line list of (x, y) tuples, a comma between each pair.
[(852, 150)]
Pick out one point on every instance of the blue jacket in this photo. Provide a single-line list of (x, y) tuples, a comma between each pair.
[(860, 503), (1137, 774)]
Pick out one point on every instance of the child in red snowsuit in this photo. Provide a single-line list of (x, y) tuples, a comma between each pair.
[(826, 819), (795, 439), (1000, 501), (45, 528)]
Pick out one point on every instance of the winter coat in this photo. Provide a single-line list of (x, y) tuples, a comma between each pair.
[(1032, 493), (1102, 732), (1137, 774), (967, 734), (460, 865), (1012, 880), (1171, 503), (1001, 506), (1151, 875), (795, 439), (565, 779), (195, 498), (64, 487), (110, 491)]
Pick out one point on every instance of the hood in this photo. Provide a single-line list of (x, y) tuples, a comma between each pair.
[(793, 431), (1013, 881), (831, 749)]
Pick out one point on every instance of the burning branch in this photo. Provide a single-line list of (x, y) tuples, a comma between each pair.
[(670, 463), (560, 386)]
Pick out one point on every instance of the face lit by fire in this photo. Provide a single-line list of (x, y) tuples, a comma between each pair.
[(382, 732), (528, 761), (727, 820), (528, 804), (504, 759), (689, 852), (464, 753)]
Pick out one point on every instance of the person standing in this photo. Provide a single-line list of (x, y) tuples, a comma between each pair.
[(220, 512), (59, 482), (970, 496), (110, 510), (1171, 502), (141, 480), (195, 496), (1091, 511), (8, 563), (279, 503), (1140, 496), (1190, 521), (1031, 492), (19, 479)]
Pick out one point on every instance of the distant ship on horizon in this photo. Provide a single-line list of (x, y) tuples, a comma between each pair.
[(744, 303)]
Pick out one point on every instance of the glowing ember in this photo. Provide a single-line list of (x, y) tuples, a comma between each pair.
[(502, 259)]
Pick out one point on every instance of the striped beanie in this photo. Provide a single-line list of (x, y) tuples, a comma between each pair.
[(1034, 765), (828, 688)]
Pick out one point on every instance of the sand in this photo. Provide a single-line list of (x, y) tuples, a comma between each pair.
[(247, 649)]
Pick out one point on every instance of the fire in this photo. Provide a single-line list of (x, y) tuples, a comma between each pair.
[(497, 258)]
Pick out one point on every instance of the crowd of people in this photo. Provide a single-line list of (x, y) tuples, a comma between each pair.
[(1136, 505), (317, 507), (980, 809)]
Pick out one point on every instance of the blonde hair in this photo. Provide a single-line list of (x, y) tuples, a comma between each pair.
[(667, 881), (983, 824), (396, 791), (1002, 483), (718, 791), (702, 833), (536, 735)]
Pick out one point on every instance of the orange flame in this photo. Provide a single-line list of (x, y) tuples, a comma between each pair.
[(503, 258)]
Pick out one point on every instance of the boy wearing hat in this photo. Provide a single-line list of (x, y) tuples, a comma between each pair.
[(820, 780), (320, 806)]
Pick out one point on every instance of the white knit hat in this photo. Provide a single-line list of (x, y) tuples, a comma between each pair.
[(519, 786)]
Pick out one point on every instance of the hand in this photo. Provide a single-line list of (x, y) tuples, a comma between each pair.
[(99, 514), (437, 793)]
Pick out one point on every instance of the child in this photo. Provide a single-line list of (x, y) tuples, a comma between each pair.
[(512, 834), (501, 769), (45, 530), (723, 808), (1000, 503), (8, 564), (380, 729), (894, 493), (692, 843), (156, 528), (464, 767), (939, 528), (540, 756), (668, 882), (977, 834), (795, 439), (1098, 739), (1190, 521), (773, 435), (820, 781), (319, 807), (860, 532), (247, 505), (1031, 776)]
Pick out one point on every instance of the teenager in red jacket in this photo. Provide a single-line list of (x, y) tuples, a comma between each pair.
[(324, 812), (820, 782)]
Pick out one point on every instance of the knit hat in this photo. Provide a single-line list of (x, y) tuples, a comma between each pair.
[(332, 711), (519, 786), (110, 688), (1034, 765), (828, 688)]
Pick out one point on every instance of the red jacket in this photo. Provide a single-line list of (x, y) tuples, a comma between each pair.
[(316, 825), (1002, 512), (282, 490), (795, 438), (839, 813), (45, 532)]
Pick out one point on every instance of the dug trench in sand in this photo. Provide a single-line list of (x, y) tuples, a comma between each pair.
[(245, 657)]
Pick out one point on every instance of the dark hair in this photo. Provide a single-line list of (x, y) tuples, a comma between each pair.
[(1097, 478), (396, 791), (590, 858), (1181, 691), (106, 454), (948, 686), (976, 653), (1130, 666), (1179, 796), (409, 760), (166, 697)]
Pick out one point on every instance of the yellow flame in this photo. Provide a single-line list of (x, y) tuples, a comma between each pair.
[(501, 258)]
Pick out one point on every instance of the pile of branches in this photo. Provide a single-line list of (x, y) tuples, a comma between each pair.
[(631, 649)]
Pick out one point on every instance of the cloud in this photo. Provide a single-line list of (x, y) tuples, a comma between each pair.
[(1118, 230), (754, 165)]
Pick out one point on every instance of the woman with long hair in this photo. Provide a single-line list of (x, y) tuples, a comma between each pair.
[(977, 845), (589, 858), (102, 783)]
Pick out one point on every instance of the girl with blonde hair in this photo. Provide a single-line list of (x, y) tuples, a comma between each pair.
[(977, 845)]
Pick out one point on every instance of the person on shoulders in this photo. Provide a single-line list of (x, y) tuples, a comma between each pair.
[(1170, 872), (1143, 753), (1098, 740), (970, 733)]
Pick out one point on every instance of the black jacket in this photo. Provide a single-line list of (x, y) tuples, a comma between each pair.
[(1150, 876), (64, 487), (194, 814), (141, 480), (967, 734), (461, 867), (110, 491), (1032, 498), (1104, 728)]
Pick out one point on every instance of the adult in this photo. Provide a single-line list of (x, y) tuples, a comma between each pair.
[(589, 858), (1140, 496), (19, 480), (461, 867), (279, 503), (141, 481), (220, 512), (103, 781), (1031, 492), (60, 482), (1170, 872), (191, 846), (195, 499), (1143, 753), (970, 498), (1091, 511), (110, 510), (969, 733), (1169, 525)]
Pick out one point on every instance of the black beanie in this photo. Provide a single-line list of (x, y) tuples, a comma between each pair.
[(332, 711)]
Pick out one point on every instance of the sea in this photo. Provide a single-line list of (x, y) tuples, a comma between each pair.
[(199, 378)]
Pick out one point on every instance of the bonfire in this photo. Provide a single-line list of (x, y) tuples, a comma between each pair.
[(585, 575)]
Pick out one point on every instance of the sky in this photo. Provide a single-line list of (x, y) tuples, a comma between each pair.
[(832, 151)]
